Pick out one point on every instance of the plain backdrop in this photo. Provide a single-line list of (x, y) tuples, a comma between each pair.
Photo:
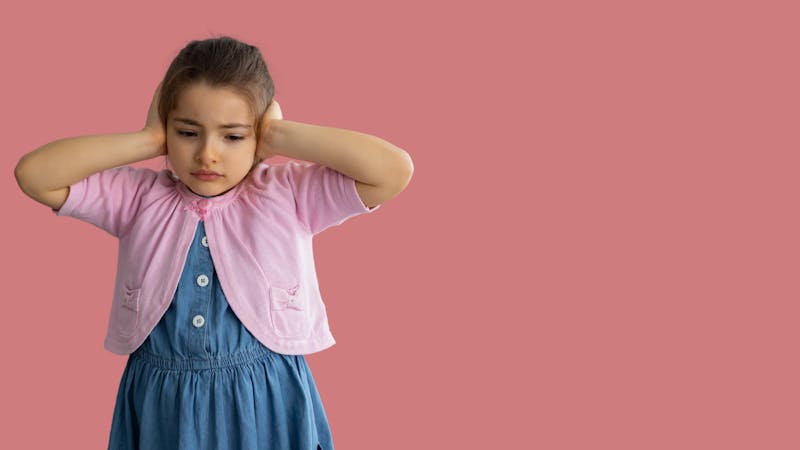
[(598, 248)]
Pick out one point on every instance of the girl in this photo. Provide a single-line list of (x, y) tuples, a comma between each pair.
[(216, 300)]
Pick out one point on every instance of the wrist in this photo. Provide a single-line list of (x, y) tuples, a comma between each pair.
[(156, 140), (266, 134), (267, 139)]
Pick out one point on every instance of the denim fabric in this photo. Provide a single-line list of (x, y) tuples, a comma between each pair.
[(201, 380)]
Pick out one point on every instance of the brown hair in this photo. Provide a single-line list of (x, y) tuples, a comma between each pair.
[(220, 62)]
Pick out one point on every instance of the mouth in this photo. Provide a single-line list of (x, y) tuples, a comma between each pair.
[(206, 175)]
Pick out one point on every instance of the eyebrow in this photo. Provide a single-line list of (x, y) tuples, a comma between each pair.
[(196, 123)]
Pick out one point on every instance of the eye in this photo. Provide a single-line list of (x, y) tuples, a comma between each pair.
[(187, 133)]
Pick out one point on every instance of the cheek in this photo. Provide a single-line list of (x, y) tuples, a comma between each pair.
[(176, 158), (178, 151)]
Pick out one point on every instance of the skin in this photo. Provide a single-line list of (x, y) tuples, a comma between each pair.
[(231, 152)]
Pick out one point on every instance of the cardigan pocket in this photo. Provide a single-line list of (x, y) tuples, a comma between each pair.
[(288, 311), (128, 312)]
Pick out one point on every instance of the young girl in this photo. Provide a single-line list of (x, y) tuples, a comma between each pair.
[(216, 298)]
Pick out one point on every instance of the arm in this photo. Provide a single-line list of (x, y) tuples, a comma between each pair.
[(46, 173), (381, 169)]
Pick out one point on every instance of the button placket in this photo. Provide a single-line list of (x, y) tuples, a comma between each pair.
[(202, 271), (198, 320)]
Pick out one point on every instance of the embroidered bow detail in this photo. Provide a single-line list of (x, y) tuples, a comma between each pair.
[(286, 298), (199, 206)]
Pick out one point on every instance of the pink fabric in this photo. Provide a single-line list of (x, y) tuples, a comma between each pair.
[(259, 235)]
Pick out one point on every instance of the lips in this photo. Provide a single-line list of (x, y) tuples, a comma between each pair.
[(206, 175)]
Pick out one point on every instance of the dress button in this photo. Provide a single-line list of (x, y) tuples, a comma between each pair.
[(198, 321), (202, 281), (204, 241)]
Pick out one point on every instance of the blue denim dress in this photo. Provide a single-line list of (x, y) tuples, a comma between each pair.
[(202, 381)]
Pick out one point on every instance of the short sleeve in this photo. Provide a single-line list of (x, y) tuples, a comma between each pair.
[(323, 196), (108, 199)]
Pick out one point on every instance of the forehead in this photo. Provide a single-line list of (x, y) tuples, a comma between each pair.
[(212, 106)]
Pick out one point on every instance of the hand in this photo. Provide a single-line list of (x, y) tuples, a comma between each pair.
[(154, 126), (273, 112)]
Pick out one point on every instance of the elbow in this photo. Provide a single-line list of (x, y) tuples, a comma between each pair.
[(19, 175), (25, 176), (395, 171), (406, 171)]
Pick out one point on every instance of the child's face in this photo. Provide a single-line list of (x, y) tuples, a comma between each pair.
[(196, 139)]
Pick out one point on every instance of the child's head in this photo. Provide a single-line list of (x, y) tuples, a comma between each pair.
[(211, 83)]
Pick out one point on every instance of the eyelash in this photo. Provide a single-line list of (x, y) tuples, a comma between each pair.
[(183, 133)]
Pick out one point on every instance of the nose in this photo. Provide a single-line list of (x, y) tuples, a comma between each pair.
[(207, 155)]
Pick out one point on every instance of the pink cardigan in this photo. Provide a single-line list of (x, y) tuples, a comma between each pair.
[(259, 235)]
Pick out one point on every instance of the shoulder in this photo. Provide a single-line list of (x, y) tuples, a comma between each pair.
[(148, 180), (133, 174), (148, 184), (264, 175), (263, 169)]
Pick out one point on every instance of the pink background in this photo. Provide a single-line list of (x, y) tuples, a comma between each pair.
[(598, 250)]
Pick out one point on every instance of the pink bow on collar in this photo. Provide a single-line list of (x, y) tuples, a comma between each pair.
[(199, 206)]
